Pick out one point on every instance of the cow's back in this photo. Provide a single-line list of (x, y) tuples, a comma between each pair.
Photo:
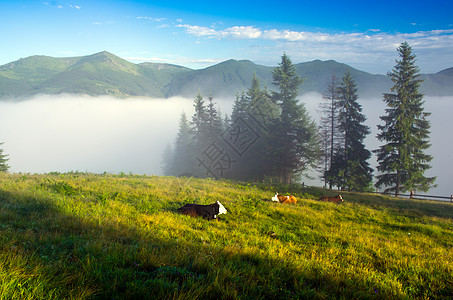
[(336, 199), (287, 199), (188, 209), (198, 210)]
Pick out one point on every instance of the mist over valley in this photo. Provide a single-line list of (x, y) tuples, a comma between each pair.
[(65, 133), (94, 134)]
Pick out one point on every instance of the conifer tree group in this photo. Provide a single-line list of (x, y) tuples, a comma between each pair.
[(346, 158), (350, 168), (297, 146), (328, 128), (287, 142)]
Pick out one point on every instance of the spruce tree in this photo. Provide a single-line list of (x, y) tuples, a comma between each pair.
[(260, 103), (259, 115), (329, 127), (199, 121), (350, 169), (240, 106), (294, 134), (3, 159), (402, 160), (183, 154), (214, 123), (226, 122)]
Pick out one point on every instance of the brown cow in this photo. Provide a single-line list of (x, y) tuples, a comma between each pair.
[(338, 199), (284, 199)]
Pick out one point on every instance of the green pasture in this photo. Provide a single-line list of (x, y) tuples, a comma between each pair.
[(86, 236)]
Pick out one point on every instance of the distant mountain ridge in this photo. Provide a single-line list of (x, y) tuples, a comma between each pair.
[(106, 74)]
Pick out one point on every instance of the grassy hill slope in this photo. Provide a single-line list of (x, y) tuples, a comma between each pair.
[(91, 236)]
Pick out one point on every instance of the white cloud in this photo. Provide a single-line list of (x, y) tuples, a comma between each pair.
[(251, 32), (200, 31), (242, 32), (152, 19), (55, 4), (103, 23), (294, 36), (372, 47), (239, 32)]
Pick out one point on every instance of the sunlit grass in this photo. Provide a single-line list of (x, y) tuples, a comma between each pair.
[(92, 236)]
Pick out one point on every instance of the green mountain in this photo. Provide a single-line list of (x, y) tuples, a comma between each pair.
[(22, 76), (318, 74), (222, 80), (101, 73), (106, 74), (98, 74), (232, 76), (446, 72), (439, 84)]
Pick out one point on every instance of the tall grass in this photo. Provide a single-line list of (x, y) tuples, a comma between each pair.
[(85, 236)]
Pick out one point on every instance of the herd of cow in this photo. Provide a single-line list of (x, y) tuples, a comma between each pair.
[(211, 211)]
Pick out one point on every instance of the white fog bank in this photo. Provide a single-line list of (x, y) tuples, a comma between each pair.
[(106, 134), (76, 133)]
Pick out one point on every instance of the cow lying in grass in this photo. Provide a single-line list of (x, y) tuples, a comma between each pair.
[(208, 212), (284, 199), (338, 199)]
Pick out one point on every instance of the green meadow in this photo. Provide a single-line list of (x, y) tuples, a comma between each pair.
[(86, 236)]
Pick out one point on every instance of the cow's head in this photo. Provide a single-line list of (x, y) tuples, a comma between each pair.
[(275, 198), (339, 198), (222, 209)]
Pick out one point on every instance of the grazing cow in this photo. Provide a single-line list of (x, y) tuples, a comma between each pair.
[(208, 212), (338, 199), (284, 199)]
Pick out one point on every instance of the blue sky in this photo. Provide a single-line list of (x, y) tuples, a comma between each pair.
[(197, 34)]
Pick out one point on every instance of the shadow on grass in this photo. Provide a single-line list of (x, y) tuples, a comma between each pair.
[(117, 261)]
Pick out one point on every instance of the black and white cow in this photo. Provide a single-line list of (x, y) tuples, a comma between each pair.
[(209, 211)]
